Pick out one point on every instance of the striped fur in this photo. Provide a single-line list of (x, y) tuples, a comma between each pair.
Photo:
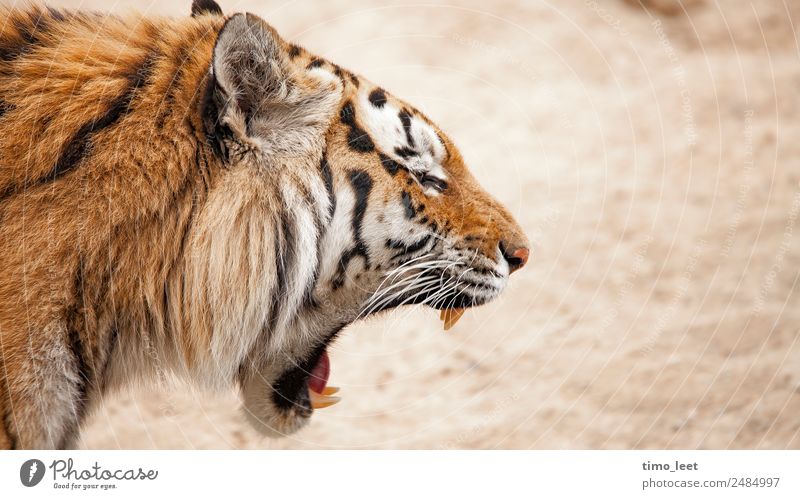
[(198, 197)]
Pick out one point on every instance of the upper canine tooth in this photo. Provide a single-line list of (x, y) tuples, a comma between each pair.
[(450, 316)]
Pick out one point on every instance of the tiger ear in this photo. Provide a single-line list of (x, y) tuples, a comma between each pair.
[(203, 7), (262, 98)]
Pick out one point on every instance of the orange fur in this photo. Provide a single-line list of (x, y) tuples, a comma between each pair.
[(100, 238), (130, 248)]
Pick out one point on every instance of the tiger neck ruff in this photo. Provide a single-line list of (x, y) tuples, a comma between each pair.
[(198, 197)]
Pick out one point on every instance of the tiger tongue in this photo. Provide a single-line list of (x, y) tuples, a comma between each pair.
[(319, 394), (450, 316), (320, 373)]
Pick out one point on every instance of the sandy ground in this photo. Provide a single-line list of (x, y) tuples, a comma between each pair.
[(654, 161)]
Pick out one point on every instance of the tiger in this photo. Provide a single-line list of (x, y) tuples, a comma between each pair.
[(198, 198)]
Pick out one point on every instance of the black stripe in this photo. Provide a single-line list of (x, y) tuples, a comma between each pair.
[(362, 185), (5, 107), (83, 370), (30, 32), (294, 51), (288, 242), (377, 97), (327, 177), (357, 138), (201, 7), (411, 212), (360, 140), (395, 244), (389, 164), (167, 105), (277, 292), (284, 260), (344, 261), (338, 72), (405, 152), (348, 114), (407, 249), (309, 300), (79, 146), (84, 374), (405, 119), (316, 62), (56, 14)]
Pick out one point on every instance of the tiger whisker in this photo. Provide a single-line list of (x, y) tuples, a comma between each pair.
[(391, 291), (444, 289), (394, 284), (421, 265), (383, 296), (396, 272), (426, 267), (410, 298), (442, 295), (397, 294), (380, 293)]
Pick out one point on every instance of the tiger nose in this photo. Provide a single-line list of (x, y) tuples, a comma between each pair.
[(516, 257)]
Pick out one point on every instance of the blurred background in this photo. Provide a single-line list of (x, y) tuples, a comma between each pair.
[(652, 152)]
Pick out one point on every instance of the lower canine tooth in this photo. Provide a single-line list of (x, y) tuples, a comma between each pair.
[(319, 401), (450, 316)]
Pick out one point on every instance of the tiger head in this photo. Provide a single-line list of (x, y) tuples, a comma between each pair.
[(377, 209)]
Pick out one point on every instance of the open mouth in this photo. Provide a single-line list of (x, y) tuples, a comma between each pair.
[(309, 388), (302, 386), (319, 393)]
